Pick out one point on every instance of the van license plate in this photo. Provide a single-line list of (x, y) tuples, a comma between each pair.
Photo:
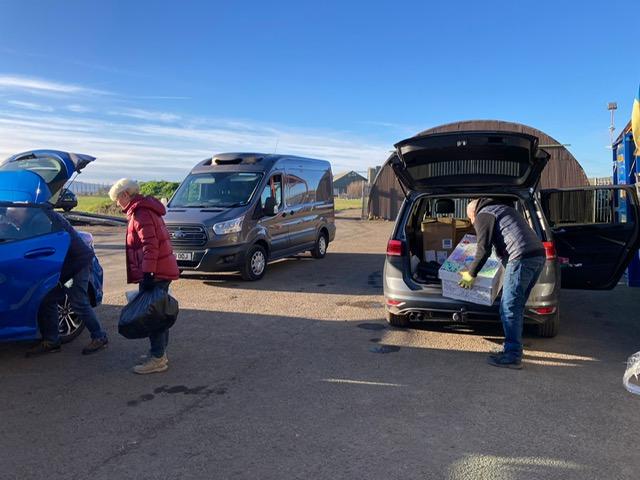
[(188, 256)]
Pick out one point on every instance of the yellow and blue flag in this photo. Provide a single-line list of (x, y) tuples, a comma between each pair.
[(635, 122)]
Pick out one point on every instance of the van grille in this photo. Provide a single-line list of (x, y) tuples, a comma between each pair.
[(187, 235)]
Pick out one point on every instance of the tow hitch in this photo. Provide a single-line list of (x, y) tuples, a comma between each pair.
[(460, 317)]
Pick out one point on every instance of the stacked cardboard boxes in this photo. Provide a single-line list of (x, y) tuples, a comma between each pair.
[(463, 227), (438, 237)]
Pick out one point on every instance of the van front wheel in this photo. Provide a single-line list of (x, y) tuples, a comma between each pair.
[(255, 263), (320, 249)]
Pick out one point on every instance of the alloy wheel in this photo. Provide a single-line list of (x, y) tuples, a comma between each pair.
[(322, 245), (257, 263), (68, 321)]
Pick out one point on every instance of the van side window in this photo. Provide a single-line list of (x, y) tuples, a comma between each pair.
[(273, 189), (324, 191), (296, 190)]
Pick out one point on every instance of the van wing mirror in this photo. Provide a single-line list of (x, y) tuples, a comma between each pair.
[(270, 208)]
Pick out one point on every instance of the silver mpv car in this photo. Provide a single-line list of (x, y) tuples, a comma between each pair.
[(590, 234)]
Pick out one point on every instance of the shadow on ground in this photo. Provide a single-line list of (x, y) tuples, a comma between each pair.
[(337, 273), (245, 388)]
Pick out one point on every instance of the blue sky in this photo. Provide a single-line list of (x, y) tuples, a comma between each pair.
[(150, 88)]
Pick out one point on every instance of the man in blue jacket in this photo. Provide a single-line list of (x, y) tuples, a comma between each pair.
[(77, 267), (522, 253)]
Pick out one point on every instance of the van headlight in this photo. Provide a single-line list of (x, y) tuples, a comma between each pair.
[(230, 226)]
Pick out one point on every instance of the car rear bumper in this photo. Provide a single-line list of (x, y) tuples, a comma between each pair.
[(427, 303), (454, 311)]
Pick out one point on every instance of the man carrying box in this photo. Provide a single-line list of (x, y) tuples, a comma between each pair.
[(521, 251)]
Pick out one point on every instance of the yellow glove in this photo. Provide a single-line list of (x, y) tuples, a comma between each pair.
[(466, 280)]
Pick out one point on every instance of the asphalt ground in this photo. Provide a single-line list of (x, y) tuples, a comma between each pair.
[(298, 377)]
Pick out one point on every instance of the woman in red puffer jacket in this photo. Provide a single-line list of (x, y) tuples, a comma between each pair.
[(150, 259)]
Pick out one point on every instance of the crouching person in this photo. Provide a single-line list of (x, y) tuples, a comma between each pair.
[(77, 266), (150, 259)]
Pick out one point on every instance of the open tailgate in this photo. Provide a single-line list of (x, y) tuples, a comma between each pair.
[(469, 159)]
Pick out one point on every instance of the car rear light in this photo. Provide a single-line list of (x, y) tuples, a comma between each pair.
[(395, 248), (544, 310), (394, 303), (549, 250)]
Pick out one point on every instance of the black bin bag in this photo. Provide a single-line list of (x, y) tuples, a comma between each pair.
[(149, 312)]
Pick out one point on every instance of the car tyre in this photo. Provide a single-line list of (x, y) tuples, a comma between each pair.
[(255, 263), (400, 321), (320, 249), (69, 325), (550, 327)]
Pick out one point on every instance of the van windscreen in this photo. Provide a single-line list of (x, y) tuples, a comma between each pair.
[(219, 189)]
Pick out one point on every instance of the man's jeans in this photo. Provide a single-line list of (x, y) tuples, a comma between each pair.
[(80, 304), (520, 276), (159, 340)]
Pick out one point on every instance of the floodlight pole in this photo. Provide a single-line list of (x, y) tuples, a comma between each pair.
[(612, 107)]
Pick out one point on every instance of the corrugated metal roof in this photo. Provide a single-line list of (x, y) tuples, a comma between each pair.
[(562, 170)]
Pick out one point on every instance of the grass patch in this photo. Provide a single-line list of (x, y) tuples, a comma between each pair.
[(103, 205), (347, 203), (97, 204)]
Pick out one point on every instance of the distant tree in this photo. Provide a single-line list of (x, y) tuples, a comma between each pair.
[(354, 190), (159, 189)]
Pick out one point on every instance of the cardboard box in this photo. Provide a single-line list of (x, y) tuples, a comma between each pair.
[(488, 282), (438, 236), (463, 227)]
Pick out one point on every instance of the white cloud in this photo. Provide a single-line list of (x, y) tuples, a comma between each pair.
[(78, 108), (145, 115), (149, 150), (40, 86), (30, 106), (161, 97), (149, 144)]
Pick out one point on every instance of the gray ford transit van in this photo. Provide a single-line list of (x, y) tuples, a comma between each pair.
[(238, 211)]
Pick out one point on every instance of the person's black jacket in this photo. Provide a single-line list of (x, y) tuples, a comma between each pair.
[(79, 255), (500, 225)]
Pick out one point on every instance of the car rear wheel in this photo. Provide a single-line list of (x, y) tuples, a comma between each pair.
[(550, 327), (255, 263), (400, 321), (320, 249), (69, 325)]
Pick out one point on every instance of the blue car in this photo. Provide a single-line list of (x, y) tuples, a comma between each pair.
[(32, 244)]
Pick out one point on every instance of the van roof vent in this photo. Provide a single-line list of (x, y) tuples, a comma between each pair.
[(236, 159)]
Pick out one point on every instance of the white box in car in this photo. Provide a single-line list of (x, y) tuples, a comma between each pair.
[(488, 282)]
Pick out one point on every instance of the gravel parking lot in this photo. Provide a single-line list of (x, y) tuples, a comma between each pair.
[(298, 376)]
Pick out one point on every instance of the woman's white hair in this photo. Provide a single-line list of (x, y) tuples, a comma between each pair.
[(123, 185)]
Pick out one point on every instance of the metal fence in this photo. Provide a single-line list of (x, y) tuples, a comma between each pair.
[(599, 181), (581, 207), (89, 189)]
